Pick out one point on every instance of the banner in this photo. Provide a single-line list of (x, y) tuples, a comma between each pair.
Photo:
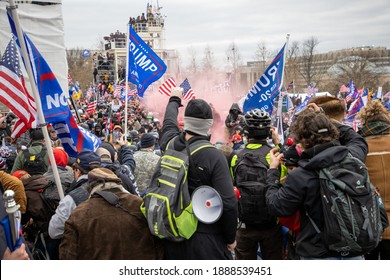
[(44, 25), (145, 66), (54, 104), (267, 87)]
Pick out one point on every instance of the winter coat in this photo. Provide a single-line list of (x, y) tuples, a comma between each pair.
[(9, 182), (97, 230), (208, 167), (378, 165), (301, 189)]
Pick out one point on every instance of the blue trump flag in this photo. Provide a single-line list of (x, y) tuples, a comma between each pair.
[(54, 105), (145, 66), (267, 87)]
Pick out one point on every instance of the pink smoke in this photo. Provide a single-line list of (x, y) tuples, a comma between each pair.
[(221, 101)]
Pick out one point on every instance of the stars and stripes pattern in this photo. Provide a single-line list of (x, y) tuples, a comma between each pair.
[(13, 92), (91, 107), (118, 90), (290, 86), (167, 86), (310, 89), (188, 93)]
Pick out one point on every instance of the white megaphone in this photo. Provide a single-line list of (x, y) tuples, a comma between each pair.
[(207, 204)]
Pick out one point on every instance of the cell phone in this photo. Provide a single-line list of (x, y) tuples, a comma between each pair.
[(116, 135)]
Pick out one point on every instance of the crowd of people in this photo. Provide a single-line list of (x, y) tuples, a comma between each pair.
[(99, 216)]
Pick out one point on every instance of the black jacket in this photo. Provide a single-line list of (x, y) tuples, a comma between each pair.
[(301, 188), (208, 167)]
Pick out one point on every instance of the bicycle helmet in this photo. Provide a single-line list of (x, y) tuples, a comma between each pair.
[(258, 124), (257, 118)]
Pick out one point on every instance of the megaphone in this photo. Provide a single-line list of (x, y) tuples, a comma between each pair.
[(207, 204)]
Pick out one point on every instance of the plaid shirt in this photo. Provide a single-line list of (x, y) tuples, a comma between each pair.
[(374, 128)]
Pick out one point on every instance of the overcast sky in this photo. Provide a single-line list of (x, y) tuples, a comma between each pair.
[(337, 24)]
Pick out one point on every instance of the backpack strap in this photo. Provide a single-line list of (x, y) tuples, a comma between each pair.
[(113, 199), (27, 153), (260, 152)]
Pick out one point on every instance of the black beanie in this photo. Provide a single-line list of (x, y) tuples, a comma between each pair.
[(198, 117), (198, 108), (147, 140)]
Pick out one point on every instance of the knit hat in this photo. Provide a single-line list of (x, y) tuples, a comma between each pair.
[(109, 147), (60, 156), (104, 154), (102, 173), (5, 152), (198, 117), (3, 164), (87, 159), (147, 140), (19, 173)]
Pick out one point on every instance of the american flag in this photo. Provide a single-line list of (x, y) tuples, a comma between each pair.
[(290, 86), (166, 87), (344, 88), (90, 92), (13, 92), (310, 89), (91, 107), (118, 90), (188, 93)]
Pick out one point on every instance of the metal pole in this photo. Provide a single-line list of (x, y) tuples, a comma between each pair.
[(41, 118)]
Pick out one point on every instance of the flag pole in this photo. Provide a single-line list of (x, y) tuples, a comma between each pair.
[(127, 78), (280, 102), (41, 118)]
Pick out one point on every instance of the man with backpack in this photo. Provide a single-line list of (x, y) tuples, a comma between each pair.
[(34, 159), (207, 166), (331, 184), (249, 169)]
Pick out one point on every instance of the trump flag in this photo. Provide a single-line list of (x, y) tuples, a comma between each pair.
[(267, 87), (145, 66)]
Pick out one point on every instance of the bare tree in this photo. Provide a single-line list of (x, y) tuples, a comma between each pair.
[(80, 68), (291, 70), (233, 56), (208, 59), (262, 53), (193, 66), (357, 67), (310, 67)]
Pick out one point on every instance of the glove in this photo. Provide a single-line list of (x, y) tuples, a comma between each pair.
[(177, 91)]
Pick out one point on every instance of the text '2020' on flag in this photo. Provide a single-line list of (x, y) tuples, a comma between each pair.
[(145, 66), (267, 87)]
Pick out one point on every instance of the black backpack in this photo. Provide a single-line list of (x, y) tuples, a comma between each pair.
[(351, 208), (250, 174), (35, 163)]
